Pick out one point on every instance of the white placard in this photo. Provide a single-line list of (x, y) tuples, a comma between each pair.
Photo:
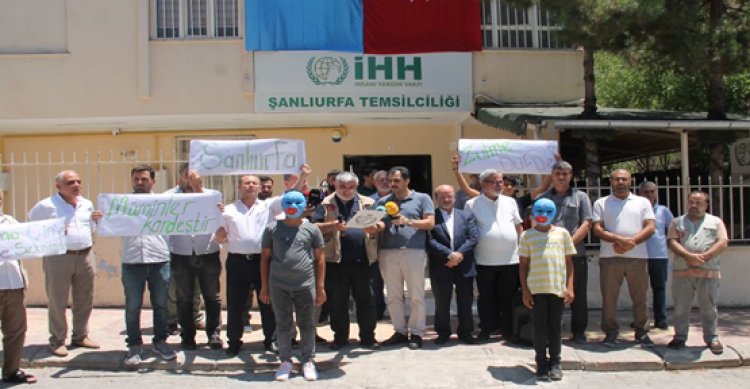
[(365, 218), (507, 156), (320, 81), (261, 156), (159, 214), (32, 240)]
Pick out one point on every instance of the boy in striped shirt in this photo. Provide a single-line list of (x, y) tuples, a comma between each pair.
[(546, 271)]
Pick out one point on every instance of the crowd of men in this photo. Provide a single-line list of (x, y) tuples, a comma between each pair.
[(461, 238)]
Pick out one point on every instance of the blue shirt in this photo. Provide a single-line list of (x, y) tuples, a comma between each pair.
[(416, 206), (657, 243)]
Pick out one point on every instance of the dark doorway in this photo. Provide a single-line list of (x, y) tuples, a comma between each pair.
[(420, 167)]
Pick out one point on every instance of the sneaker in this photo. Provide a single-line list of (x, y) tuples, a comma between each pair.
[(415, 342), (395, 339), (309, 371), (610, 340), (271, 346), (676, 344), (644, 340), (542, 374), (163, 350), (285, 369), (715, 346), (555, 372), (174, 329), (134, 356), (215, 342)]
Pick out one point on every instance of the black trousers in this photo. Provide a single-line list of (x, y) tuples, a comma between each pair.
[(547, 318), (579, 308), (243, 275), (443, 281), (658, 272), (378, 287), (497, 285), (186, 269), (345, 279)]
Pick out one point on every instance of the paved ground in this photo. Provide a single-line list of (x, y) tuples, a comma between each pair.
[(432, 363)]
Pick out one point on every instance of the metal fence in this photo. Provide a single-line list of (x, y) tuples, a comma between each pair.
[(727, 198), (27, 178)]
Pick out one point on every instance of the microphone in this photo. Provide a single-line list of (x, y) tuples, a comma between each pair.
[(392, 210)]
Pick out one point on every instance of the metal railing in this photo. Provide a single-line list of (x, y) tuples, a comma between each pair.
[(727, 198)]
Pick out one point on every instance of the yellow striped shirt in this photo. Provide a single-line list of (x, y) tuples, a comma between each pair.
[(546, 252)]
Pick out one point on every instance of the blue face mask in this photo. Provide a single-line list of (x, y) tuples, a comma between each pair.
[(543, 212), (293, 203)]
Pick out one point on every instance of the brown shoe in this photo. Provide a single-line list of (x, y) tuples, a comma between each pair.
[(59, 351), (86, 343), (716, 347)]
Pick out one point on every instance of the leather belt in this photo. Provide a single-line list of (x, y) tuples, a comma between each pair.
[(248, 257), (79, 252)]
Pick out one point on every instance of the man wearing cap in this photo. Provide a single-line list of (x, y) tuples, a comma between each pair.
[(73, 270)]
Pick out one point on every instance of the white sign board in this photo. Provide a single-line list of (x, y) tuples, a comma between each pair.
[(507, 156), (739, 153), (319, 81), (32, 240), (365, 218), (262, 156), (159, 214)]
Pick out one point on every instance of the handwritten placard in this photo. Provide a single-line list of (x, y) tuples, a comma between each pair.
[(159, 214), (266, 156), (32, 240), (507, 156)]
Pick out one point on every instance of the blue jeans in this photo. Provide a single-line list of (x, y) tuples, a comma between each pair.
[(134, 278)]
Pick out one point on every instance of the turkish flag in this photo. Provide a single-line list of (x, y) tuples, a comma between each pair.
[(420, 26)]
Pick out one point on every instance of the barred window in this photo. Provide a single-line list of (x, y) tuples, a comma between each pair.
[(194, 19), (507, 27)]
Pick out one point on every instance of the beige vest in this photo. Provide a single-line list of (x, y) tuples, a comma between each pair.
[(332, 239)]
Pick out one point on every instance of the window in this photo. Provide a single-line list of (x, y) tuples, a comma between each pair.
[(507, 27), (194, 19)]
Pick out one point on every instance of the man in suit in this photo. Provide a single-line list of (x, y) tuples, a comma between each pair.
[(451, 251)]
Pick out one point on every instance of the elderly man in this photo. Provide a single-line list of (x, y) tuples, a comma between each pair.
[(574, 215), (623, 222), (499, 225), (73, 270), (697, 239), (242, 230), (384, 189), (403, 257), (145, 259), (658, 258), (349, 252), (196, 258), (451, 251), (12, 313)]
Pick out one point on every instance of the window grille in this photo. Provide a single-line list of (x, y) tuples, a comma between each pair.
[(508, 27), (194, 19)]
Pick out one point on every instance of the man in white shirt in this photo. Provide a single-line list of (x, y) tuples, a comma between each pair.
[(496, 253), (145, 259), (12, 313), (73, 270), (196, 257), (623, 222), (242, 230)]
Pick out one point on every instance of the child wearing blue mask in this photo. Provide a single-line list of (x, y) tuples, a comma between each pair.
[(546, 271), (292, 271)]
